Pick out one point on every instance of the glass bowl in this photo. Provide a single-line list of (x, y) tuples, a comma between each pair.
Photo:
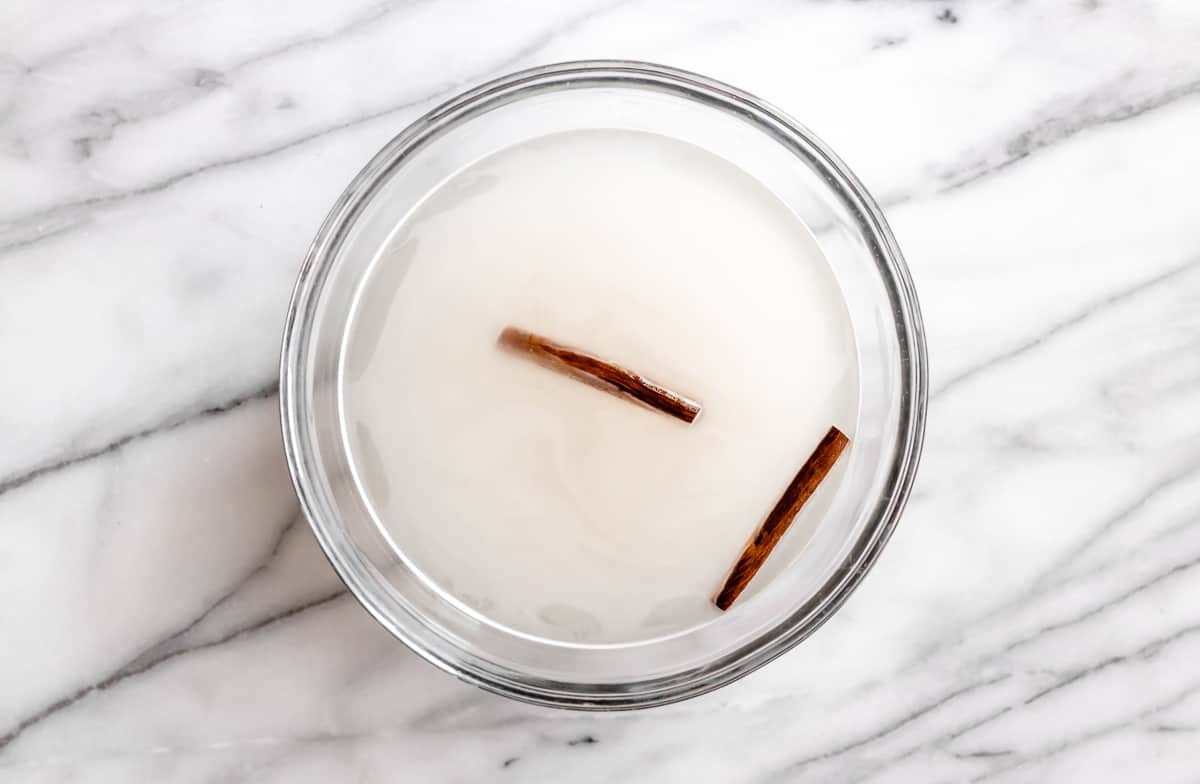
[(854, 237)]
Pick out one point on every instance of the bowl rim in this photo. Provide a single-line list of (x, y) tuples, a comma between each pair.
[(807, 617)]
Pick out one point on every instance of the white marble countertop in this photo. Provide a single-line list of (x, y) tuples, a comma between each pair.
[(166, 617)]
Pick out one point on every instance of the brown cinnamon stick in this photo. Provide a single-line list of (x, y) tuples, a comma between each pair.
[(805, 483), (599, 373)]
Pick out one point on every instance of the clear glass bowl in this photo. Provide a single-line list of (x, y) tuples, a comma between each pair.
[(851, 231)]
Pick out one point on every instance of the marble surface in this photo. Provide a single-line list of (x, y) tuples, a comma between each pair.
[(164, 615)]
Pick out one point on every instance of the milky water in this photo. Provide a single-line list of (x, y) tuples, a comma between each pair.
[(540, 502)]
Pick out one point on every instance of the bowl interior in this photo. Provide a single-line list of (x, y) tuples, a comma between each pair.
[(863, 256)]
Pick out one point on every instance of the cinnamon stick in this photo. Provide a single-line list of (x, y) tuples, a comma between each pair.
[(805, 483), (599, 373)]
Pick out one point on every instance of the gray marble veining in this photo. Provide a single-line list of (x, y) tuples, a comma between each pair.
[(166, 615)]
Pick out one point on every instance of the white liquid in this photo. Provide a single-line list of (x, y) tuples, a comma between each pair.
[(544, 504)]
